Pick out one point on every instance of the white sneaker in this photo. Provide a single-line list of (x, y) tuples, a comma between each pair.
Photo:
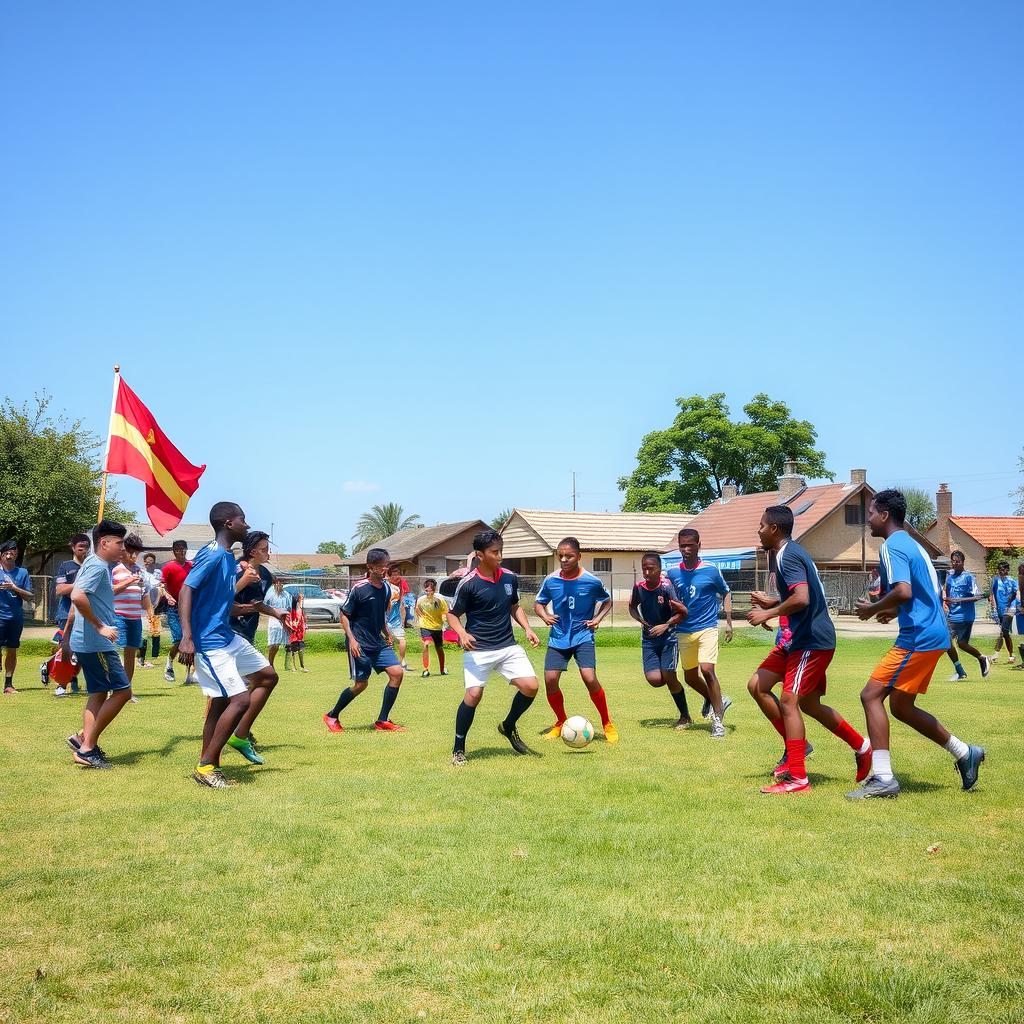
[(954, 678), (1010, 662), (60, 692), (993, 658), (986, 664), (169, 675), (717, 729)]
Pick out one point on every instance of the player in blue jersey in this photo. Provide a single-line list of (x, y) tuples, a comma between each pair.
[(226, 664), (960, 594), (1001, 598), (699, 585), (799, 662), (910, 592), (656, 606), (1019, 611), (364, 620), (579, 602)]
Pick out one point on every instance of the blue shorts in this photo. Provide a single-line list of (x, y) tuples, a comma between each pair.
[(962, 631), (1006, 624), (103, 671), (174, 625), (1020, 625), (660, 656), (557, 658), (10, 633), (378, 661), (129, 632)]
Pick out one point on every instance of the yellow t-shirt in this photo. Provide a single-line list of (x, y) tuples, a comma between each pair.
[(432, 612)]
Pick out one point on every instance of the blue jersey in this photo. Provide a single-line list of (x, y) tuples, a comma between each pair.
[(922, 622), (394, 616), (575, 602), (95, 579), (961, 585), (811, 627), (11, 604), (699, 589), (1004, 590), (212, 582), (653, 603), (367, 610)]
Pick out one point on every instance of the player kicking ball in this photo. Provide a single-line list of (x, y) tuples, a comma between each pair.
[(801, 663), (579, 602), (488, 596)]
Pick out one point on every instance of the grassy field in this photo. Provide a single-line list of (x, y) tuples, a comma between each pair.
[(361, 878)]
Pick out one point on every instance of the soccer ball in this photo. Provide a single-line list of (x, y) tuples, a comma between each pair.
[(577, 732)]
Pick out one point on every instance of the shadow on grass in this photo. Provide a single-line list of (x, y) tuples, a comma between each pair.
[(485, 752), (658, 723), (920, 786)]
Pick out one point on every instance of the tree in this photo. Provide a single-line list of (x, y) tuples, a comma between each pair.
[(51, 478), (920, 507), (332, 547), (501, 519), (684, 467), (299, 566), (380, 522)]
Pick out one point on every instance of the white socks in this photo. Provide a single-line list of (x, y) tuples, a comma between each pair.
[(881, 765), (956, 747)]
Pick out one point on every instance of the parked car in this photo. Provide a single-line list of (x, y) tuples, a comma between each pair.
[(318, 605)]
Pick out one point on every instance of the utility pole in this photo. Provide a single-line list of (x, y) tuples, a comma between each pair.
[(574, 490)]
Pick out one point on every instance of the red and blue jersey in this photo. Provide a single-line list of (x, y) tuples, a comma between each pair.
[(922, 621), (574, 600), (810, 627), (699, 589), (653, 602), (487, 605)]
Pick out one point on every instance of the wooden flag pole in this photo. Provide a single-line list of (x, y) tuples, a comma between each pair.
[(106, 454)]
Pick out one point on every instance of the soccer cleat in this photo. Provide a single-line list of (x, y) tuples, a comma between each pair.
[(682, 725), (969, 764), (73, 741), (726, 704), (425, 674), (1018, 668), (554, 732), (207, 775), (333, 725), (993, 658), (863, 762), (611, 734), (786, 784), (388, 726), (512, 735), (458, 758), (255, 742), (986, 667), (246, 749), (90, 758), (780, 769), (956, 677), (1010, 660), (875, 788), (717, 729), (44, 674), (405, 667), (445, 672), (60, 692), (10, 689), (169, 674)]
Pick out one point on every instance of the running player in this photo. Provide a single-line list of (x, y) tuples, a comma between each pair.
[(1001, 598), (431, 610), (699, 585), (489, 598), (579, 603), (959, 595), (910, 591), (364, 620), (173, 576), (226, 663), (396, 611), (801, 663), (655, 605)]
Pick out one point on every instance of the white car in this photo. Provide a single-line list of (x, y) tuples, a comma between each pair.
[(317, 604)]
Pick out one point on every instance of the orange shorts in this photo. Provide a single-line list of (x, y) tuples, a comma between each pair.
[(909, 671)]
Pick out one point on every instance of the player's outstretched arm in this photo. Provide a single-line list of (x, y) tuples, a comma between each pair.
[(519, 615), (799, 599), (186, 646), (887, 605)]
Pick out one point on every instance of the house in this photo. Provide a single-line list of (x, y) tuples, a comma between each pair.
[(424, 550), (978, 537), (195, 536), (330, 564)]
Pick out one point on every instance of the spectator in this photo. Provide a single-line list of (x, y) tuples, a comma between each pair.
[(151, 580), (277, 635), (15, 590), (130, 600)]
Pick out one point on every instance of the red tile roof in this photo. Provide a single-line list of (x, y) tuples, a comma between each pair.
[(993, 531)]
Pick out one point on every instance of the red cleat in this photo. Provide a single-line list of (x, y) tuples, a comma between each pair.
[(332, 724), (388, 727), (863, 764), (787, 785)]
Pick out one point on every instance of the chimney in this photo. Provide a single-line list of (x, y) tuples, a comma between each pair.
[(858, 477), (729, 491), (791, 481), (943, 510)]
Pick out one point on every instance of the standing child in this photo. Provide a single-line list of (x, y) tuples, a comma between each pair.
[(432, 610), (131, 599), (296, 626)]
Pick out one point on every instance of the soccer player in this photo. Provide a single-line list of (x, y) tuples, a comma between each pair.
[(959, 595), (93, 640), (699, 586), (396, 611), (801, 663), (15, 590), (364, 620), (655, 604), (489, 598), (579, 603), (173, 575), (431, 610), (226, 664), (911, 592), (1001, 597)]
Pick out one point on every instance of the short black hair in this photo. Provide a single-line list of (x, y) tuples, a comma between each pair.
[(252, 538), (1004, 565), (892, 501), (572, 542), (428, 582), (377, 555), (179, 544), (77, 538), (222, 512), (107, 528), (9, 545), (133, 542), (149, 554), (963, 557), (689, 531), (394, 567), (780, 516), (651, 556), (487, 538)]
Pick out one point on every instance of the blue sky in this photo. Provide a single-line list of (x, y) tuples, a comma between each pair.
[(446, 254)]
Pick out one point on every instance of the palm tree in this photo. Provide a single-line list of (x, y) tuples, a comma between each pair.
[(380, 522)]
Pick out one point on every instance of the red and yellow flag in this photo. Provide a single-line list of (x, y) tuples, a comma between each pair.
[(139, 448)]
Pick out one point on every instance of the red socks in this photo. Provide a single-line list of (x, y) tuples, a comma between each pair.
[(795, 759), (849, 735), (602, 705), (557, 702)]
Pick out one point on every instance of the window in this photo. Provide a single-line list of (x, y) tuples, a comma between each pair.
[(854, 515), (602, 565)]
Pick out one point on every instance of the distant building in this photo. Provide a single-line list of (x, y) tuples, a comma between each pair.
[(424, 550), (976, 536)]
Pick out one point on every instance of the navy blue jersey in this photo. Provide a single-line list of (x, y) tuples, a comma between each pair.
[(246, 625), (66, 573), (487, 605), (653, 604), (811, 627), (367, 611), (575, 602)]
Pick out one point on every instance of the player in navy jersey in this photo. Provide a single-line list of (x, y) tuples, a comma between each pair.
[(489, 598), (364, 620), (655, 605), (579, 602), (802, 663)]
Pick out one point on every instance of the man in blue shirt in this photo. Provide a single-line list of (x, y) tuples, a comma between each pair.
[(910, 592), (397, 611), (959, 595), (15, 589), (1001, 598), (699, 585), (579, 602)]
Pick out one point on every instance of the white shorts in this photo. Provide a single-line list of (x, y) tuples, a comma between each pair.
[(511, 662), (398, 632), (221, 673)]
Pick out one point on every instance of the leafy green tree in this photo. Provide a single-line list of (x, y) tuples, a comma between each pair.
[(299, 566), (332, 547), (684, 467), (920, 507), (380, 522), (501, 519), (50, 469)]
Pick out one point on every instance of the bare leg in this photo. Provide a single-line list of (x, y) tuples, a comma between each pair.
[(221, 718), (714, 689), (904, 708), (272, 653), (760, 688), (100, 711), (261, 686), (873, 698), (129, 662)]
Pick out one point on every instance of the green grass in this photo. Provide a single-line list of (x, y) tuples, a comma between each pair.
[(360, 878)]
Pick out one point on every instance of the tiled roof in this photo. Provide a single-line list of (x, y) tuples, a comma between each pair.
[(993, 531), (607, 531), (407, 545)]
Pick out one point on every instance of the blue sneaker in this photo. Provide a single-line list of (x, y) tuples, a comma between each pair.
[(245, 748), (969, 764)]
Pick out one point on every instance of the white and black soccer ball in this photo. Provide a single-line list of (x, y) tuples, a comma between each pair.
[(577, 732)]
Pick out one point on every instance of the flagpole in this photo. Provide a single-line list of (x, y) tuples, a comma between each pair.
[(106, 454)]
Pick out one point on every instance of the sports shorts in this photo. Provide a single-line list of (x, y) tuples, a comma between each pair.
[(434, 636), (1006, 624), (700, 648), (557, 658), (909, 671), (129, 632), (103, 671), (510, 661), (378, 660), (222, 672), (660, 654), (10, 632), (801, 671), (174, 625), (398, 632), (962, 631), (1020, 625)]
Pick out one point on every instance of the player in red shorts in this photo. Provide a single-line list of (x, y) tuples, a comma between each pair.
[(802, 664)]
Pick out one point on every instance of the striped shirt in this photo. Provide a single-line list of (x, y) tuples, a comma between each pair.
[(128, 603)]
